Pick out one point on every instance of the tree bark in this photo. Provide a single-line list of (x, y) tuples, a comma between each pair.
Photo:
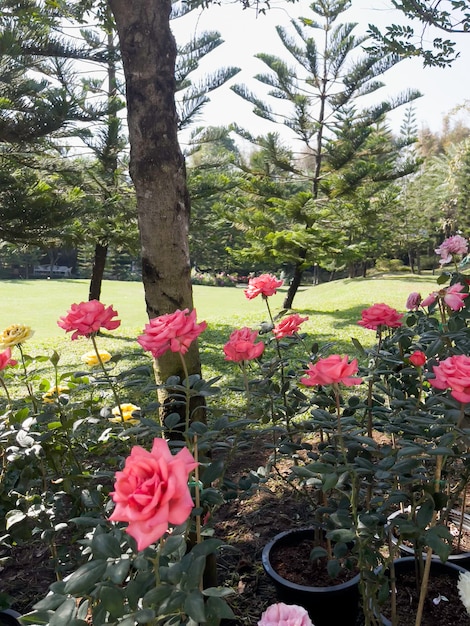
[(99, 263), (157, 166)]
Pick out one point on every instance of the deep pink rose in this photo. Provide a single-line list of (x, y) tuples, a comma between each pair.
[(288, 326), (6, 360), (380, 315), (281, 614), (454, 373), (173, 331), (332, 370), (418, 358), (266, 285), (451, 246), (413, 301), (452, 296), (242, 347), (152, 491), (88, 318)]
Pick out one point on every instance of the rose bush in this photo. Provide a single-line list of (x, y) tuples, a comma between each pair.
[(265, 285), (332, 370), (152, 492), (241, 346), (173, 331), (380, 315), (288, 326), (87, 318), (14, 335), (453, 373)]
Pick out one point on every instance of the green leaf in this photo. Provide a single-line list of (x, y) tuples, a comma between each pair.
[(333, 567), (424, 514), (218, 592), (217, 608), (113, 600), (118, 571), (155, 596), (195, 572), (64, 613), (105, 546), (14, 517), (82, 581), (194, 606), (212, 472), (318, 553), (144, 616), (330, 481)]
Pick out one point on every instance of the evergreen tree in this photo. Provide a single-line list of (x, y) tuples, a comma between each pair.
[(319, 101)]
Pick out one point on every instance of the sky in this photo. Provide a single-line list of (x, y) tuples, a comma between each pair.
[(245, 33)]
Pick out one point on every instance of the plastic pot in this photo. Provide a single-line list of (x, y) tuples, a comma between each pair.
[(334, 605), (407, 564), (461, 558)]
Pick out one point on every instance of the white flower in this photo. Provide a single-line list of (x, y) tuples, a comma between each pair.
[(464, 589)]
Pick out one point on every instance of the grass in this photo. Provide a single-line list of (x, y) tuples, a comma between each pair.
[(333, 310)]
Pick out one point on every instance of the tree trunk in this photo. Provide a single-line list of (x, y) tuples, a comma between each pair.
[(157, 165), (99, 263), (294, 285)]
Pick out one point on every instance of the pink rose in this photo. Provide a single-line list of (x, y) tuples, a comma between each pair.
[(454, 373), (87, 318), (281, 614), (451, 246), (288, 326), (173, 331), (242, 347), (6, 360), (418, 358), (380, 315), (332, 370), (266, 285), (413, 301), (152, 491), (450, 295)]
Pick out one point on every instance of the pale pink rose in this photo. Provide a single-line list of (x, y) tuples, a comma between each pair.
[(87, 318), (242, 347), (152, 491), (288, 326), (380, 315), (331, 370), (413, 301), (266, 285), (454, 373), (6, 360), (281, 614), (452, 296), (450, 247), (173, 331), (418, 358)]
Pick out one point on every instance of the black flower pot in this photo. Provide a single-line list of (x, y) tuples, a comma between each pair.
[(334, 605), (407, 565), (9, 618), (462, 558)]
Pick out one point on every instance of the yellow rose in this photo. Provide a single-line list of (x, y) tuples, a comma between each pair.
[(127, 410), (15, 334), (50, 396), (91, 359)]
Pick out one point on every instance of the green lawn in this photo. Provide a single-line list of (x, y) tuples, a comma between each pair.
[(333, 309)]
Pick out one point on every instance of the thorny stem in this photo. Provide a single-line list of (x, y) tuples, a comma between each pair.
[(187, 412), (27, 383), (278, 350), (108, 378), (5, 389), (427, 565)]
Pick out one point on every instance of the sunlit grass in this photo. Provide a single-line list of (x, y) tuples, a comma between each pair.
[(333, 309)]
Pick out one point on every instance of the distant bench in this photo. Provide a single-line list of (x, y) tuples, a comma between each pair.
[(56, 270)]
